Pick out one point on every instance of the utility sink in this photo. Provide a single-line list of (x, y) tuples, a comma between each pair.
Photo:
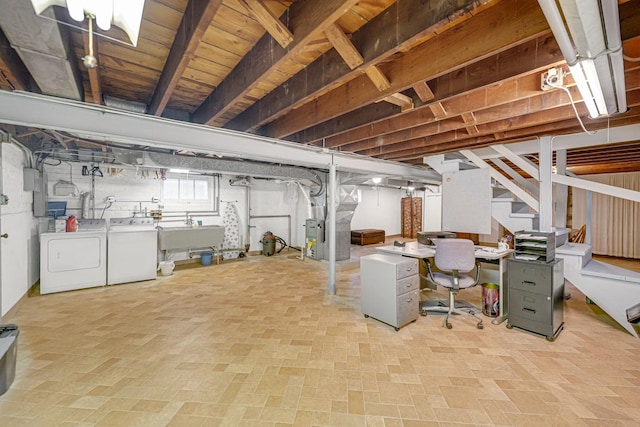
[(190, 237)]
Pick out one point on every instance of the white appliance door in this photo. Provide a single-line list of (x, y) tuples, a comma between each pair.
[(74, 254), (133, 256), (71, 261)]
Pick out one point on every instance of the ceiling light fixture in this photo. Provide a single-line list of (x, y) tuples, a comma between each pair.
[(596, 61), (125, 14), (89, 60), (376, 180)]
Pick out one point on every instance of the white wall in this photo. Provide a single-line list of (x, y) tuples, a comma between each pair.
[(379, 210), (20, 263), (268, 197)]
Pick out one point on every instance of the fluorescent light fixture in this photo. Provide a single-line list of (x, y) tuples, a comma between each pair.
[(583, 87), (595, 61), (179, 170), (591, 75), (125, 14), (376, 180)]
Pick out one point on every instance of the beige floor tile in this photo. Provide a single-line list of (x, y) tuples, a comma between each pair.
[(259, 342)]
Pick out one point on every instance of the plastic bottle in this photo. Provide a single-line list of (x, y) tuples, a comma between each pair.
[(72, 223)]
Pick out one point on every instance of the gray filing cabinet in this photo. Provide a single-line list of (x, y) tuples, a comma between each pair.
[(389, 288), (536, 296)]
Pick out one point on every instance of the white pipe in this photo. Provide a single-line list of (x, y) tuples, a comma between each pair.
[(551, 12), (546, 184), (306, 196)]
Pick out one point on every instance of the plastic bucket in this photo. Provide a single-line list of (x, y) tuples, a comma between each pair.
[(166, 267), (206, 258), (490, 299)]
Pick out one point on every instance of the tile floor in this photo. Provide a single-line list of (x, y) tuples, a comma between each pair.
[(260, 342)]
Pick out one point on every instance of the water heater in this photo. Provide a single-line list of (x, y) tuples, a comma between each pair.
[(314, 247)]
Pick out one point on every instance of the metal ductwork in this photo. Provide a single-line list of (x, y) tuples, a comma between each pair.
[(43, 48), (218, 165)]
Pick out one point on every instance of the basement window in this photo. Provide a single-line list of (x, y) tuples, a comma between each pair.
[(191, 193)]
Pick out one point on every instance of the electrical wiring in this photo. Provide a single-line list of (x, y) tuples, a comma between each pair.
[(573, 104)]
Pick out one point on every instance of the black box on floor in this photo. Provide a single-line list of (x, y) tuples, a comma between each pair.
[(8, 354)]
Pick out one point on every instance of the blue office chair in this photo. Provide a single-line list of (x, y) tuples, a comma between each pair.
[(454, 258)]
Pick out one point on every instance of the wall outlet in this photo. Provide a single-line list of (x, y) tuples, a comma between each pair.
[(554, 76)]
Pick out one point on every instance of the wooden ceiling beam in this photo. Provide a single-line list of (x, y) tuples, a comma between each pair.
[(377, 77), (367, 116), (269, 21), (423, 91), (438, 110), (343, 46), (470, 121), (401, 100), (494, 30), (308, 18), (520, 99), (558, 121), (195, 21), (487, 72), (401, 25), (605, 168)]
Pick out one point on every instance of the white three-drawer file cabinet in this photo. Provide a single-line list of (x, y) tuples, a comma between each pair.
[(389, 288)]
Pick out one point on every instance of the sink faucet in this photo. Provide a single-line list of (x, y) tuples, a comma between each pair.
[(189, 220)]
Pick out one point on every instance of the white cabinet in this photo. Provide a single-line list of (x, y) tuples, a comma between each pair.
[(389, 288)]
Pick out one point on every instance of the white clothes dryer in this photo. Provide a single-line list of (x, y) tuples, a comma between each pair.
[(74, 260)]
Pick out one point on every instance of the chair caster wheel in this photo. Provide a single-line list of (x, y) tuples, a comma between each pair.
[(480, 325), (448, 325), (509, 326), (423, 313)]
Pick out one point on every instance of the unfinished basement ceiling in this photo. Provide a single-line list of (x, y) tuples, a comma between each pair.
[(393, 80)]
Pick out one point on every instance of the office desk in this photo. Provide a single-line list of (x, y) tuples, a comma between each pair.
[(483, 254)]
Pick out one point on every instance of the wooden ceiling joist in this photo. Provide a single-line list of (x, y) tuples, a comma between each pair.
[(343, 46), (269, 21), (470, 121), (401, 100), (438, 110), (402, 24), (423, 91), (377, 77), (195, 21), (307, 18), (505, 66), (539, 122), (510, 24)]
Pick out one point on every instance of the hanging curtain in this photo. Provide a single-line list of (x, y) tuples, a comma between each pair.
[(615, 222)]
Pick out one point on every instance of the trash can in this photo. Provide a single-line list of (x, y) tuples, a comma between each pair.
[(491, 299), (206, 258), (8, 354)]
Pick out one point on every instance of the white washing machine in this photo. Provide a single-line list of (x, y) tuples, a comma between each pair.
[(132, 250), (74, 260)]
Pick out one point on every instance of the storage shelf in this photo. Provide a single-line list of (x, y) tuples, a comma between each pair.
[(535, 246)]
